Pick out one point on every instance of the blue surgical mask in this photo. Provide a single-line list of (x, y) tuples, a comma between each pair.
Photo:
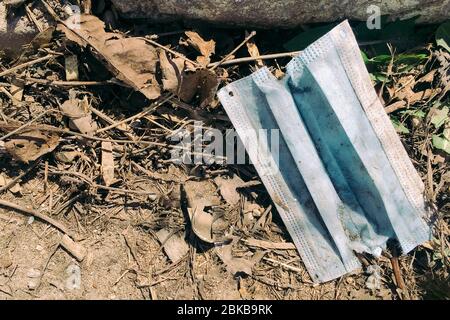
[(344, 182)]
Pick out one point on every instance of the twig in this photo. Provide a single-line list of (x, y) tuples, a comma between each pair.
[(26, 64), (51, 11), (111, 121), (397, 273), (177, 54), (25, 125), (268, 244), (32, 17), (250, 59), (154, 175), (20, 176), (58, 225), (8, 94), (395, 106), (284, 265), (99, 186), (251, 35), (75, 249), (59, 83), (136, 116), (93, 138)]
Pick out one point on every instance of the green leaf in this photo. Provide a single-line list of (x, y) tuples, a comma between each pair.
[(364, 56), (410, 58), (443, 35), (415, 113), (446, 133), (381, 59), (439, 117), (304, 39), (441, 143), (399, 127)]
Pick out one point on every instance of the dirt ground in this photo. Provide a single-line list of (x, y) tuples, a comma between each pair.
[(133, 236)]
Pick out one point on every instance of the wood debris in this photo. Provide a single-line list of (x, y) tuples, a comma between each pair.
[(107, 163)]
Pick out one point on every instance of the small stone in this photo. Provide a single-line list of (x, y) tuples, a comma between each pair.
[(73, 280), (5, 261), (33, 284), (34, 273)]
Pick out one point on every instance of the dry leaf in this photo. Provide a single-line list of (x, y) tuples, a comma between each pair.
[(30, 145), (404, 88), (228, 189), (172, 70), (174, 245), (254, 52), (206, 48), (202, 83), (107, 168), (67, 156), (237, 265), (16, 91), (79, 115), (131, 60), (429, 77), (187, 85), (201, 194), (5, 180), (71, 66)]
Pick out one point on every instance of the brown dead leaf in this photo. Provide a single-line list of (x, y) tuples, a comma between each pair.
[(5, 180), (71, 66), (423, 95), (228, 189), (107, 168), (187, 85), (131, 60), (30, 145), (254, 52), (206, 48), (404, 88), (172, 70), (201, 83), (16, 90), (174, 245), (79, 115), (201, 194), (429, 77), (236, 265), (67, 156)]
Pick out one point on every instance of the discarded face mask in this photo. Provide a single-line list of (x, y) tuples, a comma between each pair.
[(343, 182)]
